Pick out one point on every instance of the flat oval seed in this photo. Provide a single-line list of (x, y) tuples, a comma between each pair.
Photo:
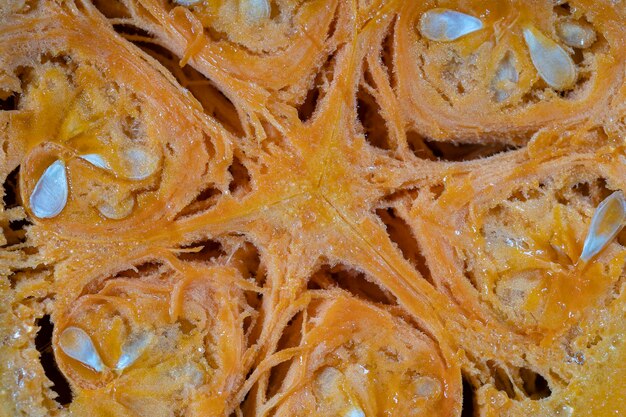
[(505, 78), (132, 349), (255, 10), (576, 34), (96, 160), (77, 344), (117, 210), (553, 64), (142, 164), (328, 380), (187, 2), (355, 412), (49, 196), (446, 25), (426, 387), (606, 223)]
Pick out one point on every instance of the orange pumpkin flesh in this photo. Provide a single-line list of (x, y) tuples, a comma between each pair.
[(310, 208)]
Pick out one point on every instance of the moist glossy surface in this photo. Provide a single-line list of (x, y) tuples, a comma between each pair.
[(301, 208)]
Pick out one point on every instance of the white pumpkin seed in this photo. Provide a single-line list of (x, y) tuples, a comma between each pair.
[(117, 210), (132, 350), (328, 380), (255, 11), (96, 160), (354, 412), (187, 2), (576, 34), (49, 196), (141, 164), (552, 62), (77, 344), (606, 223), (505, 78), (446, 25)]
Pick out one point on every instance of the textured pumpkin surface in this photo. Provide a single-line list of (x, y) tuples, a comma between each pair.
[(311, 208)]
